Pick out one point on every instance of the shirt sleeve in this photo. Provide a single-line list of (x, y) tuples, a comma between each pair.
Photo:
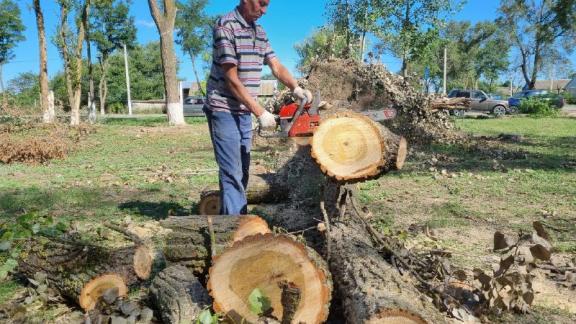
[(224, 49), (269, 53)]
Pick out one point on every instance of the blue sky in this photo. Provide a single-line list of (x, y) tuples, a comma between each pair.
[(287, 23)]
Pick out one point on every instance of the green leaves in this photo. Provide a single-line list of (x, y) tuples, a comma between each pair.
[(11, 31), (259, 304), (206, 317)]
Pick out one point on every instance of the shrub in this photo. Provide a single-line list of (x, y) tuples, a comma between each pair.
[(569, 98), (537, 107), (117, 108)]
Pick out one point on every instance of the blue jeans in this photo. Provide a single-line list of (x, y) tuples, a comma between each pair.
[(232, 139)]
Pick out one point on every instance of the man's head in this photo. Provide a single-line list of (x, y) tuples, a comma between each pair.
[(252, 10)]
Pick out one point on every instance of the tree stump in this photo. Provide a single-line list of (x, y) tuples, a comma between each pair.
[(262, 188), (270, 263), (193, 240), (178, 295), (82, 273), (350, 147)]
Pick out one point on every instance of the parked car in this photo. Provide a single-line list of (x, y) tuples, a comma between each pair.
[(193, 106), (555, 99), (480, 101)]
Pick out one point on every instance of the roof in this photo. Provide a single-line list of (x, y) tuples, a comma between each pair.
[(556, 84)]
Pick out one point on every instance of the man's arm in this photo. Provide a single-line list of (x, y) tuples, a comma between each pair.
[(239, 91), (282, 74)]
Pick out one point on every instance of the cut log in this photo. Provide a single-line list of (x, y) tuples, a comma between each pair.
[(262, 188), (350, 147), (178, 295), (82, 272), (192, 242), (268, 262)]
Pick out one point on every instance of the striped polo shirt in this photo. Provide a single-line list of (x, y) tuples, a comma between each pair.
[(244, 45)]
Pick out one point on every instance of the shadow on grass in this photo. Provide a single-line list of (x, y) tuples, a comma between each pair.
[(155, 210)]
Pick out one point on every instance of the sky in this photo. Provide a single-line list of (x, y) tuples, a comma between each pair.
[(287, 22)]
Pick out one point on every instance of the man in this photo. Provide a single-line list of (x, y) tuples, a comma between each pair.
[(240, 48)]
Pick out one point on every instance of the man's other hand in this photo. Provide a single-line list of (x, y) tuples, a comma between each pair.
[(303, 94), (267, 120)]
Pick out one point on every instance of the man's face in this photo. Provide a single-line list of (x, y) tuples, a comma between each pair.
[(254, 9)]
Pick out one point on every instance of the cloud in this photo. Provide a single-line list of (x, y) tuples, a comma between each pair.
[(145, 23)]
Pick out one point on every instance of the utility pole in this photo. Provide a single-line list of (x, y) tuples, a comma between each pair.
[(445, 67), (127, 80)]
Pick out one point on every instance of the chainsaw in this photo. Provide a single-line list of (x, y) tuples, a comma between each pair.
[(301, 119)]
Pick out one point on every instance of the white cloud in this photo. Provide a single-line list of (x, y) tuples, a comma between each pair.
[(145, 23)]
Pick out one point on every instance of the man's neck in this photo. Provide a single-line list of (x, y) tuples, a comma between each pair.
[(242, 12)]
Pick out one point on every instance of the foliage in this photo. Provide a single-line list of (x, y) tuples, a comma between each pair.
[(259, 303), (11, 31), (206, 317), (323, 44), (537, 107), (539, 29), (569, 98), (194, 32), (112, 27), (24, 90)]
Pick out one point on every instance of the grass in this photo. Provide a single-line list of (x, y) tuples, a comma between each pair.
[(139, 167)]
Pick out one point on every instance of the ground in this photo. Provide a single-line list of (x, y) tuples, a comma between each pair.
[(448, 196)]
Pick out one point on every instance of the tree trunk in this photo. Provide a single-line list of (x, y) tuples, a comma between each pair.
[(178, 295), (270, 262), (193, 240), (91, 102), (48, 114), (165, 24), (103, 85), (262, 188), (350, 147), (4, 98), (372, 290), (82, 272), (196, 74)]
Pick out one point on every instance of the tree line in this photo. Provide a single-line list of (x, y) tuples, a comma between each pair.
[(529, 38)]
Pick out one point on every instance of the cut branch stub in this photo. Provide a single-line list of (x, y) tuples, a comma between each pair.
[(351, 147), (267, 262), (94, 289)]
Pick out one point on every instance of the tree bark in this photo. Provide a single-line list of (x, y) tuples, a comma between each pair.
[(91, 100), (350, 147), (262, 188), (48, 114), (178, 295), (269, 262), (165, 24), (79, 272), (4, 98), (196, 74), (103, 85), (193, 240)]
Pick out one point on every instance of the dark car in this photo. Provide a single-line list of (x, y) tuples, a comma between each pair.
[(193, 106), (480, 101), (555, 99)]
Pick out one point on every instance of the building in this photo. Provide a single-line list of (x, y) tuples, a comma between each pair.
[(551, 85), (191, 88)]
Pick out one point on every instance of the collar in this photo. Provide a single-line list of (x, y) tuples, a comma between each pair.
[(241, 19)]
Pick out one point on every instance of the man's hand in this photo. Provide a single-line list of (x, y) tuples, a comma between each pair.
[(302, 94), (267, 120)]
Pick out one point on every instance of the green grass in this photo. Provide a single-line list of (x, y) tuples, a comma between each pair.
[(141, 168)]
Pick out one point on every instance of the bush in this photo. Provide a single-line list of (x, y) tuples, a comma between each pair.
[(117, 108), (569, 98), (537, 107)]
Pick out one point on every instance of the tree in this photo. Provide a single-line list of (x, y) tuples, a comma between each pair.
[(10, 35), (539, 29), (194, 33), (323, 44), (70, 46), (112, 28), (24, 89), (407, 27), (165, 20), (47, 108)]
